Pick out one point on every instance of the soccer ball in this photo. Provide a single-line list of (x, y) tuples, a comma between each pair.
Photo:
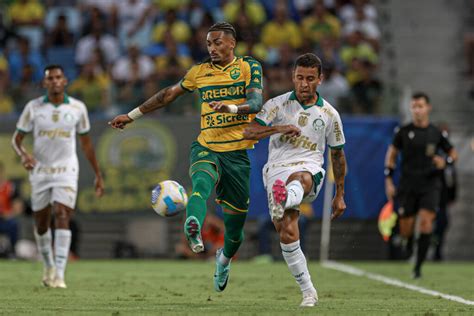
[(168, 198)]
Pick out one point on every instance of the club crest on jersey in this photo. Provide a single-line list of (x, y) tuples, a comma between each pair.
[(318, 124), (68, 117), (235, 73), (55, 116), (303, 119)]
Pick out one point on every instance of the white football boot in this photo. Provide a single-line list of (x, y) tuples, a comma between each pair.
[(48, 276), (310, 299), (59, 284)]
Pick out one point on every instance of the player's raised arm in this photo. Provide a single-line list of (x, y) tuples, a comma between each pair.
[(338, 160), (162, 98)]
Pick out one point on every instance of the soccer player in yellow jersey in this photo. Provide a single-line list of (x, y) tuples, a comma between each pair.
[(231, 92)]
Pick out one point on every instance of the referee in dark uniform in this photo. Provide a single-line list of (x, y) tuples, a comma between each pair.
[(419, 189)]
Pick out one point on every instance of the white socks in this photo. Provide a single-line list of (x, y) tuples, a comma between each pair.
[(295, 194), (296, 262), (62, 242), (44, 247)]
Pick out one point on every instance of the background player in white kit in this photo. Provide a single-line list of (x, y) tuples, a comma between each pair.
[(294, 173), (54, 120)]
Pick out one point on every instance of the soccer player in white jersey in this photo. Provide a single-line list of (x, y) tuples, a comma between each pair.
[(54, 119), (300, 124)]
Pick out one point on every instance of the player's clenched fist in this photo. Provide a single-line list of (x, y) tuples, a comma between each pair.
[(120, 121), (338, 207), (28, 161)]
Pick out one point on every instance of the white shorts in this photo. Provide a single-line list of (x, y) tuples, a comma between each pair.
[(271, 173), (42, 197)]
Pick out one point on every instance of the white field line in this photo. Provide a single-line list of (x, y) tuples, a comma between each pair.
[(377, 277)]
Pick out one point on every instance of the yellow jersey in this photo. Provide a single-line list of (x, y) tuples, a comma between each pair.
[(224, 131)]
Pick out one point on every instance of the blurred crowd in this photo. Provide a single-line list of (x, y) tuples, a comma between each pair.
[(469, 48), (117, 54)]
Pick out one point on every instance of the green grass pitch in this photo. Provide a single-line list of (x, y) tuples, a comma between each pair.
[(159, 287)]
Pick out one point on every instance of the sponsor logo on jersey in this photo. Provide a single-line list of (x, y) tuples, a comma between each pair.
[(209, 75), (210, 121), (219, 119), (51, 170), (328, 112), (52, 134), (318, 124), (230, 92), (299, 142), (272, 114), (235, 73), (337, 132)]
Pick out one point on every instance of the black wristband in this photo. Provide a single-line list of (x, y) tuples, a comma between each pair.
[(388, 172)]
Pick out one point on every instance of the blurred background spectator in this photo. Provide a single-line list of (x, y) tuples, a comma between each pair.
[(11, 206), (118, 53)]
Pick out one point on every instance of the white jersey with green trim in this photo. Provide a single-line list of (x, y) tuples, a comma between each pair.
[(320, 124), (54, 129)]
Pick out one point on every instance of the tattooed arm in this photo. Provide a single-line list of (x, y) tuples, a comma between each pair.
[(253, 104), (160, 99), (338, 160)]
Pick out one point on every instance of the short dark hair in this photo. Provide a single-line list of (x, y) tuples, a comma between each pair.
[(53, 66), (421, 95), (309, 60), (225, 27)]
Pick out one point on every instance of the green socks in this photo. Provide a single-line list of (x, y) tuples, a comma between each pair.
[(203, 183), (234, 233)]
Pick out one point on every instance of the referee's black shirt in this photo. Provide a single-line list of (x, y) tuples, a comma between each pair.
[(417, 146)]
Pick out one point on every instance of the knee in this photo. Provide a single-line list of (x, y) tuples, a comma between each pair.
[(41, 228), (426, 226), (62, 217), (288, 236)]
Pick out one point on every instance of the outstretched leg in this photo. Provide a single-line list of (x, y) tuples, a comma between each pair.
[(298, 185), (204, 177)]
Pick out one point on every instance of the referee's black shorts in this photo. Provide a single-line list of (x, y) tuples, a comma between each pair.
[(410, 201)]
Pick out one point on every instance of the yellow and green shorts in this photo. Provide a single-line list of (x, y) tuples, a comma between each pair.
[(231, 170)]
